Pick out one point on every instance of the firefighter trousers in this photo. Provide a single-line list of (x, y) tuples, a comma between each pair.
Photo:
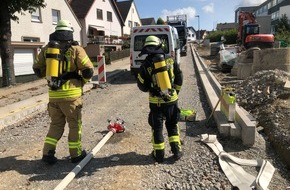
[(60, 113), (171, 113)]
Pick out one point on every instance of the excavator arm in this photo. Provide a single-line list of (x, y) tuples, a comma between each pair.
[(249, 35)]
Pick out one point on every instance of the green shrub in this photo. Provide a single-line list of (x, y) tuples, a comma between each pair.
[(284, 37), (229, 35)]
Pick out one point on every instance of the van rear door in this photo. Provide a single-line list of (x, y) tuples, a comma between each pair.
[(137, 45)]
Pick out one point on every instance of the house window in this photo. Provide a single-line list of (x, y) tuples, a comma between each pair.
[(130, 23), (275, 15), (100, 14), (109, 16), (55, 16), (35, 16), (136, 24), (91, 32), (30, 39)]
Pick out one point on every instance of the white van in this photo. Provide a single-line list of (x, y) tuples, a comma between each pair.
[(167, 34)]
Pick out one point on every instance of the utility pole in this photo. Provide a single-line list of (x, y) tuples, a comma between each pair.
[(198, 29)]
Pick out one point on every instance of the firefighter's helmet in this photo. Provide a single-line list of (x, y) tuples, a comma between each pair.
[(152, 41), (64, 25)]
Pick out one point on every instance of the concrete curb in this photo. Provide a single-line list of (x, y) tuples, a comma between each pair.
[(244, 125), (19, 110)]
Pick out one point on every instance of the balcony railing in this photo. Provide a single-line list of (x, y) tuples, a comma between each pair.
[(104, 40)]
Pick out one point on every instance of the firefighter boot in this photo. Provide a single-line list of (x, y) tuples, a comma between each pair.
[(49, 158), (176, 150), (158, 155), (79, 158)]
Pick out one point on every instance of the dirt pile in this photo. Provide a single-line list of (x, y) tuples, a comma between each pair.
[(262, 88), (265, 96)]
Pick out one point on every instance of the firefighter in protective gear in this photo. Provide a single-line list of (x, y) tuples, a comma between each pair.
[(74, 69), (161, 107)]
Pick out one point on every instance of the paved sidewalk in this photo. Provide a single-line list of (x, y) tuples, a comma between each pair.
[(17, 111), (116, 66)]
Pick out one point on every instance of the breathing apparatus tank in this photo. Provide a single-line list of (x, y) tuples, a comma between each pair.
[(53, 59), (161, 75), (53, 64)]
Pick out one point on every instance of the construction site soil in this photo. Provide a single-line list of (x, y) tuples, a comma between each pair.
[(265, 97), (125, 161)]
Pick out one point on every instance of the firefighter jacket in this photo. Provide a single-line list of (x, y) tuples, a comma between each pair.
[(146, 84), (77, 63)]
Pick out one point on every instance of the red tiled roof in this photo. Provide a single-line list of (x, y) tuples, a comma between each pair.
[(81, 7)]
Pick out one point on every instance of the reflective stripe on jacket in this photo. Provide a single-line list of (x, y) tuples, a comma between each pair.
[(77, 60), (145, 83)]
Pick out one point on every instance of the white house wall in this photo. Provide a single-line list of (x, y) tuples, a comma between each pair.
[(26, 28), (285, 10), (191, 36), (110, 28), (132, 16)]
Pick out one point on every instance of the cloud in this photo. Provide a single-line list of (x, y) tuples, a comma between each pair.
[(189, 11), (251, 2), (208, 8)]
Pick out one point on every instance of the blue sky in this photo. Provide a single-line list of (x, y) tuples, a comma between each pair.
[(210, 12)]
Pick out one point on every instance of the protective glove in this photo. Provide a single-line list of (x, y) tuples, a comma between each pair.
[(37, 72), (165, 97), (154, 92)]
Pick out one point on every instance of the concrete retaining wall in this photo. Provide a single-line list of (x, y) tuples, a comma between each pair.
[(270, 59), (243, 126)]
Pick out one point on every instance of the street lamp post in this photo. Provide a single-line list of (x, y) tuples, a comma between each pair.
[(198, 29)]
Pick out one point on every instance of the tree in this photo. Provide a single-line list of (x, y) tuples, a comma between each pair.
[(282, 29), (8, 9), (160, 21), (229, 35), (282, 24)]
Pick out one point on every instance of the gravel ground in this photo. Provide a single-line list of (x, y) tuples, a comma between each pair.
[(124, 162)]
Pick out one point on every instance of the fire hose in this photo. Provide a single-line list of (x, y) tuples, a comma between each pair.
[(116, 127), (232, 167)]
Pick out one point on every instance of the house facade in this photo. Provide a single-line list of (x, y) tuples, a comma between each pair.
[(277, 8), (227, 26), (102, 25), (270, 8), (200, 35), (32, 31), (148, 21), (245, 9), (191, 34), (130, 15), (100, 19)]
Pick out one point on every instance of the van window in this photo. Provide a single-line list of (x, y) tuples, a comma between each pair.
[(176, 39), (140, 40)]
